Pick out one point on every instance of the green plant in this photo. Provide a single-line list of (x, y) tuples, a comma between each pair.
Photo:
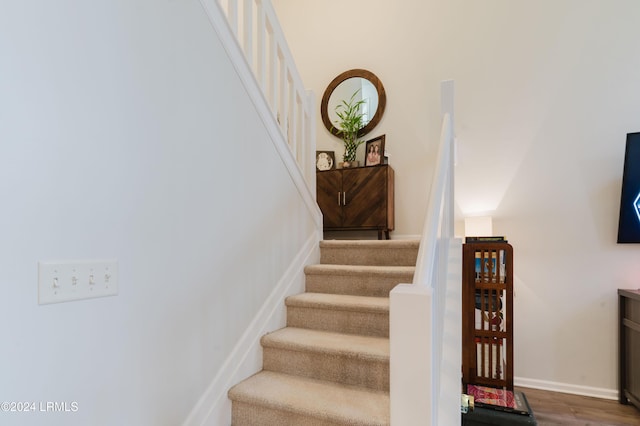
[(351, 120)]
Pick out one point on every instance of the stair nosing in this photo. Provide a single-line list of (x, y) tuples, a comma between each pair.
[(413, 244), (344, 302), (275, 340), (330, 268)]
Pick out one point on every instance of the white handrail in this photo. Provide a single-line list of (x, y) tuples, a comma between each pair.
[(258, 33), (436, 223), (425, 385), (432, 265), (439, 218)]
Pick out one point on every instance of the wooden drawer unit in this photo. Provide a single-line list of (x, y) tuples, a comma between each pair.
[(357, 199), (629, 351)]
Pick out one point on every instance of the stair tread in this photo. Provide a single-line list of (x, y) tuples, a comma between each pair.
[(325, 400), (301, 339), (359, 269), (340, 302), (369, 252), (381, 244)]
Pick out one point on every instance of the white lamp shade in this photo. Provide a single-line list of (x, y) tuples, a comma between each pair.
[(478, 226)]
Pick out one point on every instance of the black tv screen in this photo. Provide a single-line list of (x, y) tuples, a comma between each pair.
[(629, 222)]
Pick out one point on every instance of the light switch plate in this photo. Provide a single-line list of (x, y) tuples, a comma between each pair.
[(75, 280)]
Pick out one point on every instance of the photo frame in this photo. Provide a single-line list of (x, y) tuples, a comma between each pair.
[(325, 160), (374, 151)]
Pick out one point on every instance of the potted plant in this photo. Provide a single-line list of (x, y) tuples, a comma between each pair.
[(351, 120)]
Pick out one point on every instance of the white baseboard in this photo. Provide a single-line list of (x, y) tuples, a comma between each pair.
[(214, 407), (566, 388)]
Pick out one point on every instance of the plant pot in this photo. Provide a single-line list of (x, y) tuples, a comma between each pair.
[(349, 164)]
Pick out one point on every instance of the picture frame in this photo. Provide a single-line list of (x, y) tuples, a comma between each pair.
[(374, 151), (325, 160)]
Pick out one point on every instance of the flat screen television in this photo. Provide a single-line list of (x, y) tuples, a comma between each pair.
[(629, 221)]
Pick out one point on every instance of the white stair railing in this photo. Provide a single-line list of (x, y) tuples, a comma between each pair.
[(425, 317), (258, 33)]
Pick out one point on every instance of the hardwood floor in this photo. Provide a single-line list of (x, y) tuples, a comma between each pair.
[(553, 408)]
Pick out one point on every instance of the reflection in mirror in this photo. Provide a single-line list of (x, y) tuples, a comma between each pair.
[(342, 87), (365, 91)]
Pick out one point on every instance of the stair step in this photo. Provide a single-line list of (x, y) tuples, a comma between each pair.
[(363, 315), (330, 365), (369, 252), (270, 398), (337, 357), (360, 280)]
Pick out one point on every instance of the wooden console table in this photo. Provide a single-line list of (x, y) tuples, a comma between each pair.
[(360, 198), (629, 350)]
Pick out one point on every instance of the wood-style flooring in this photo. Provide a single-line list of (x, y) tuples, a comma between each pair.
[(553, 408)]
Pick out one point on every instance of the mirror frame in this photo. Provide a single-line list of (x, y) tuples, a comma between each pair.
[(382, 100)]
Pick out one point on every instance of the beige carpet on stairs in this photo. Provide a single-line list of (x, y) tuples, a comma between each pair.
[(330, 365)]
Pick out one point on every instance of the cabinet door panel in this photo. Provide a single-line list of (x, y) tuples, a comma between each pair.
[(365, 192), (328, 188)]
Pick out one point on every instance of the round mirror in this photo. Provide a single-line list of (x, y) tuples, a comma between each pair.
[(366, 87)]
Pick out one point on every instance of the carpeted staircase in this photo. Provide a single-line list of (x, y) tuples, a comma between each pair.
[(330, 365)]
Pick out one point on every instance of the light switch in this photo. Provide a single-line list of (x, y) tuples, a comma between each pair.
[(75, 280)]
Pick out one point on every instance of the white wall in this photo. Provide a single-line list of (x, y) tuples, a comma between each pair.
[(125, 133), (545, 94)]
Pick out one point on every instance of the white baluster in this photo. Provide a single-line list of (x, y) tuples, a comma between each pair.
[(262, 47), (247, 31), (232, 16)]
